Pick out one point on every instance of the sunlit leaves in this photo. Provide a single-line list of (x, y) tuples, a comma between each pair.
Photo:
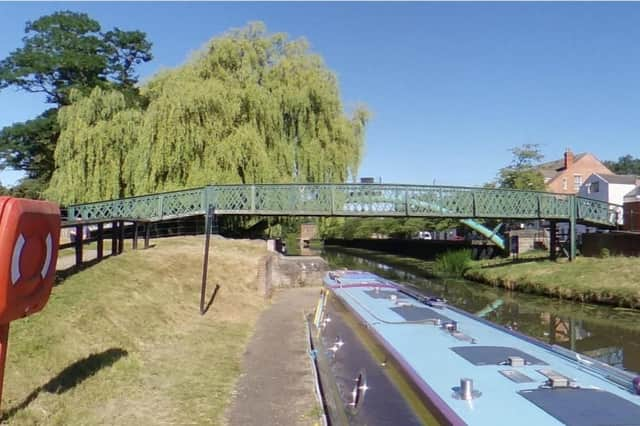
[(250, 108)]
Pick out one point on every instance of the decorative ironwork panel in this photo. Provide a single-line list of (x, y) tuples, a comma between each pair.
[(506, 203), (293, 199), (554, 206), (183, 203), (596, 211), (231, 199), (369, 200), (439, 201)]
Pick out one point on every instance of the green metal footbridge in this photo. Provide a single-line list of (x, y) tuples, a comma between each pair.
[(379, 200)]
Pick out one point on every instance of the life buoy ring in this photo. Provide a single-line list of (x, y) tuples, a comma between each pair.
[(29, 233)]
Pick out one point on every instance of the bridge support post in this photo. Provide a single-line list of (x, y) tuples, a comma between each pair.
[(553, 240), (114, 238), (100, 242), (572, 228)]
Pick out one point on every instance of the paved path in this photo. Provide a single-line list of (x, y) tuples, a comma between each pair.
[(277, 386)]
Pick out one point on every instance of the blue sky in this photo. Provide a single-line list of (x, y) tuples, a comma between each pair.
[(452, 86)]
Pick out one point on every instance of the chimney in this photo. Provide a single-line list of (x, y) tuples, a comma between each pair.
[(568, 158)]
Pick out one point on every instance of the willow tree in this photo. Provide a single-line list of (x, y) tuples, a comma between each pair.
[(251, 107)]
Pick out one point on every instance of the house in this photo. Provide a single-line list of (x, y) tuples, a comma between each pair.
[(566, 176), (610, 188)]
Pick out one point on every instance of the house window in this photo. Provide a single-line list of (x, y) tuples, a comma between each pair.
[(594, 187), (577, 182), (564, 183)]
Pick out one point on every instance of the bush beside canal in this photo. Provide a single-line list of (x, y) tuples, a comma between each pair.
[(609, 280), (453, 262)]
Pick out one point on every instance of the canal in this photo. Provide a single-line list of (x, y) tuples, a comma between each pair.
[(609, 334)]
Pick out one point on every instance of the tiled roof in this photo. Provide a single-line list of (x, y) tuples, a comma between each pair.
[(620, 179), (551, 168)]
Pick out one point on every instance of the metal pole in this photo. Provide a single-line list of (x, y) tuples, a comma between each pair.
[(205, 264), (4, 341)]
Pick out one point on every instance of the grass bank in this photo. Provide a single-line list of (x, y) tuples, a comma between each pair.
[(611, 280), (123, 341)]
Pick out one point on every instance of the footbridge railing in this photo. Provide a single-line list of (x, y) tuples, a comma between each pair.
[(381, 200)]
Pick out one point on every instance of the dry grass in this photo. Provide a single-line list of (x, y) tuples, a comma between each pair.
[(613, 280), (123, 342)]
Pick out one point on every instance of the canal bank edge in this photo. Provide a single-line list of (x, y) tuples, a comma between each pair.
[(611, 281)]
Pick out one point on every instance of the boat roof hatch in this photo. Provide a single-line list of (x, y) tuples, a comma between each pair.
[(416, 313), (584, 406), (493, 355)]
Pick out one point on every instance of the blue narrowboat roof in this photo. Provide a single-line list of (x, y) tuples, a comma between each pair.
[(439, 345)]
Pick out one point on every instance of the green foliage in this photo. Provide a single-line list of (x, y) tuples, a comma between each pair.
[(28, 188), (604, 252), (521, 173), (251, 108), (453, 262), (626, 165), (64, 52), (352, 228), (29, 146), (125, 49)]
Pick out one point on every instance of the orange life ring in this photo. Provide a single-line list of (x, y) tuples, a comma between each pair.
[(29, 233)]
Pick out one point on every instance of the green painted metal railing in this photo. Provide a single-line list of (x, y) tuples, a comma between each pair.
[(355, 200)]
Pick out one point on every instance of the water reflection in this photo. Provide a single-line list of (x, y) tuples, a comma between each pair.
[(611, 335)]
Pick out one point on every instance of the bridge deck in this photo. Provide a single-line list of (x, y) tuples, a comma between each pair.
[(379, 200)]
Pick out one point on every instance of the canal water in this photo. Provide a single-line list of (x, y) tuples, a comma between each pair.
[(609, 334)]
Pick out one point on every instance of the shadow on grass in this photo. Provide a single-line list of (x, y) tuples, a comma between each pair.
[(70, 377), (213, 296), (516, 262), (63, 274)]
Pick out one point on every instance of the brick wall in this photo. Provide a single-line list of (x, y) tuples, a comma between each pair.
[(584, 167)]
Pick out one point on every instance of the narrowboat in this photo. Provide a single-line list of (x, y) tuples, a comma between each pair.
[(389, 354)]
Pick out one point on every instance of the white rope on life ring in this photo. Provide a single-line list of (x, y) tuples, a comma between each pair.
[(17, 254)]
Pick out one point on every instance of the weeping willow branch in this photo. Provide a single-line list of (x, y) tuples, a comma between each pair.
[(252, 107)]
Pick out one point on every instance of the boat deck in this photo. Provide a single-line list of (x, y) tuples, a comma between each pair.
[(440, 345)]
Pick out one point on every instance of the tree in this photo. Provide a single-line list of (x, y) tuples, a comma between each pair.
[(63, 52), (125, 49), (626, 165), (521, 173), (29, 146), (252, 107)]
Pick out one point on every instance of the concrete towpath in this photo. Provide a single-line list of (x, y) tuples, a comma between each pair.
[(277, 385)]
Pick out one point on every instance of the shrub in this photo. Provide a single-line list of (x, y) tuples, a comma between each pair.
[(604, 252), (453, 262)]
